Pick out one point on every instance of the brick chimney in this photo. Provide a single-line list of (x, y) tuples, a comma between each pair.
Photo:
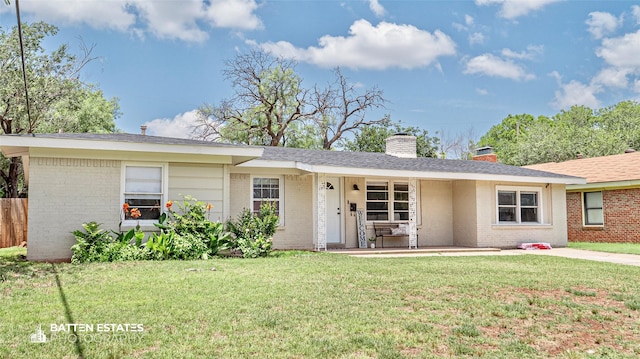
[(485, 154), (401, 145)]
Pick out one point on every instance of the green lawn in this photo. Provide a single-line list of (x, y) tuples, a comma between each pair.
[(310, 305), (627, 248)]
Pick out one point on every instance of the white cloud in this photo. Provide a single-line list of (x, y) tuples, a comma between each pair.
[(376, 8), (468, 19), (602, 24), (180, 126), (182, 20), (530, 54), (491, 65), (635, 10), (238, 14), (476, 38), (482, 91), (612, 77), (636, 86), (113, 15), (511, 9), (621, 51), (576, 93), (459, 26), (378, 47), (167, 21)]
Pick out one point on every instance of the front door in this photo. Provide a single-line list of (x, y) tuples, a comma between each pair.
[(334, 210)]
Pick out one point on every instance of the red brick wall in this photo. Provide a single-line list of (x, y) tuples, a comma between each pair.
[(621, 217)]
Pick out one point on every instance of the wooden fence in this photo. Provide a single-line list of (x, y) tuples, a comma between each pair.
[(13, 222)]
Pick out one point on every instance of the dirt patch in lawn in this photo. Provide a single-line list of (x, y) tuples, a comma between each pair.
[(560, 321)]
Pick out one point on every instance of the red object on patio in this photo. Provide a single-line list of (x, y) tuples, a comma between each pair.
[(534, 245)]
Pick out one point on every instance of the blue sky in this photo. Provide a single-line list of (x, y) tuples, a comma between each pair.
[(452, 66)]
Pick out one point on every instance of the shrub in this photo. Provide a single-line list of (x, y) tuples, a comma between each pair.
[(188, 246), (219, 239), (195, 235), (91, 243), (185, 234), (96, 245), (253, 232), (160, 245)]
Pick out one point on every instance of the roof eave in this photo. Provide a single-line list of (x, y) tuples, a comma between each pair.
[(372, 172), (20, 144), (604, 185)]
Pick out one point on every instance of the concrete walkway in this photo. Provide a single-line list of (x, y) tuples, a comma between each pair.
[(628, 259)]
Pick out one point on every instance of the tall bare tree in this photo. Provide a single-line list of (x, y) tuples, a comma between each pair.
[(271, 107), (341, 109), (268, 99)]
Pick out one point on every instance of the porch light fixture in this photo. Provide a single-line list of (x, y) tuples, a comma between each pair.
[(355, 187)]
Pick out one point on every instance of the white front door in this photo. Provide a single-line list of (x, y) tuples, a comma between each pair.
[(334, 210)]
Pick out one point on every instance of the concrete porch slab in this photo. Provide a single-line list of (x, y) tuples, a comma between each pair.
[(389, 252)]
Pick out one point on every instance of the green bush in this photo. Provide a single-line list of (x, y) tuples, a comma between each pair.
[(96, 245), (253, 232), (183, 234), (188, 246), (91, 244)]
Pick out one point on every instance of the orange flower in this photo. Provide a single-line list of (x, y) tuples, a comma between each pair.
[(125, 207), (135, 213), (169, 204), (209, 206)]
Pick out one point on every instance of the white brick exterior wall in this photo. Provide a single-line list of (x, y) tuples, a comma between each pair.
[(553, 230), (63, 194), (465, 214), (436, 208), (297, 232)]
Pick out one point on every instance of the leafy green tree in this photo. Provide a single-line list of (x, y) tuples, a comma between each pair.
[(372, 138), (579, 130), (623, 120), (58, 99), (504, 137)]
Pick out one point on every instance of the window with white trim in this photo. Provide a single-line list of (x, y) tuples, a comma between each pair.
[(519, 205), (593, 208), (381, 206), (268, 190), (144, 190)]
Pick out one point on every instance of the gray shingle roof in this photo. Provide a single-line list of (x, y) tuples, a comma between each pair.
[(363, 160), (387, 162), (132, 138)]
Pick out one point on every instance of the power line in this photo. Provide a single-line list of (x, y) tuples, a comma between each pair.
[(24, 72)]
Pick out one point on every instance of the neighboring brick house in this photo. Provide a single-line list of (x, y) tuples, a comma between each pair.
[(607, 208)]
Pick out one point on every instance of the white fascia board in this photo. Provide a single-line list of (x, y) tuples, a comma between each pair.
[(604, 185), (58, 143), (268, 164), (369, 172)]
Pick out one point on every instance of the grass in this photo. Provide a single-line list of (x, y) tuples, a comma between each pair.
[(323, 305), (625, 248)]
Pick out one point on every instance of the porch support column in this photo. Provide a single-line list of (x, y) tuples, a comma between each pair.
[(413, 213), (322, 212)]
